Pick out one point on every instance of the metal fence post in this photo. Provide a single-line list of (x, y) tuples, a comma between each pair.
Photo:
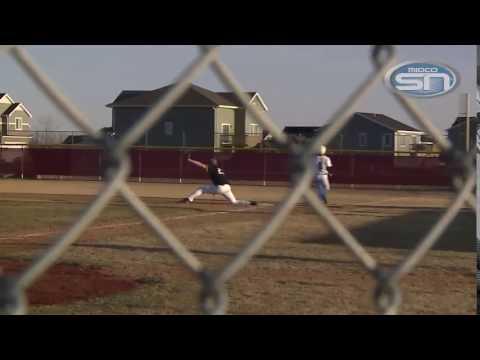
[(180, 165), (22, 161), (264, 166), (139, 165), (100, 166), (352, 166), (352, 172)]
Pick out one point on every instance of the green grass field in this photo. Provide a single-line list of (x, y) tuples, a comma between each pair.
[(303, 269)]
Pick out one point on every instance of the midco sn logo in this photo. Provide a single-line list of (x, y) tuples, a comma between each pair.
[(421, 79)]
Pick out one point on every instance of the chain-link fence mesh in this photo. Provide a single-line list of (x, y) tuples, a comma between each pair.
[(478, 181), (214, 297), (49, 137)]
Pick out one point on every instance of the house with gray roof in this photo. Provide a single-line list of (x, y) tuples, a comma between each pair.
[(368, 131), (379, 132), (457, 133), (15, 121), (200, 118)]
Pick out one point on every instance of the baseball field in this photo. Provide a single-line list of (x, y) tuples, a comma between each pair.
[(119, 267)]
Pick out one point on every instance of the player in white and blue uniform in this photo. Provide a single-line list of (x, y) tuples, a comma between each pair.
[(322, 183)]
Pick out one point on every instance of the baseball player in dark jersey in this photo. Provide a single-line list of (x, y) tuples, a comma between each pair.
[(220, 184)]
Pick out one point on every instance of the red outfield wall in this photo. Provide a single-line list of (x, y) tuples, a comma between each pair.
[(348, 168)]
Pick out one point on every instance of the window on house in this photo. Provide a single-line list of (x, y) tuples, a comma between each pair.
[(426, 138), (227, 129), (254, 129), (362, 139), (168, 128), (18, 123)]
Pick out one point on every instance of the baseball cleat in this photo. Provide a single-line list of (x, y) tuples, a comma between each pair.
[(253, 203), (185, 201)]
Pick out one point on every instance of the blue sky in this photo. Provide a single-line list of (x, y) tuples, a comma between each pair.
[(302, 85)]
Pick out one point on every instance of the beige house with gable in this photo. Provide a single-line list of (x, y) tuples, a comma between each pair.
[(15, 118)]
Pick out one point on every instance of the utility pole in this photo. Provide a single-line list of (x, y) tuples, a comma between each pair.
[(465, 111), (467, 122)]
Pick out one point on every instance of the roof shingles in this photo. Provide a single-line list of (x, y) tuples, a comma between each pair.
[(302, 130), (232, 97), (461, 120), (380, 119), (194, 96), (386, 121), (10, 109), (13, 107)]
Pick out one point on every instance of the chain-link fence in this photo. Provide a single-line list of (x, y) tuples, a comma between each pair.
[(221, 141), (249, 166), (214, 297), (52, 137), (478, 207), (478, 180)]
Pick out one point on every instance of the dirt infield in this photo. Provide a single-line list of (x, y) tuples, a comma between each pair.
[(73, 187), (67, 283), (303, 269), (258, 192)]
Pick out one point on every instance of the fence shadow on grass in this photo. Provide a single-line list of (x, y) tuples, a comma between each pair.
[(405, 231)]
